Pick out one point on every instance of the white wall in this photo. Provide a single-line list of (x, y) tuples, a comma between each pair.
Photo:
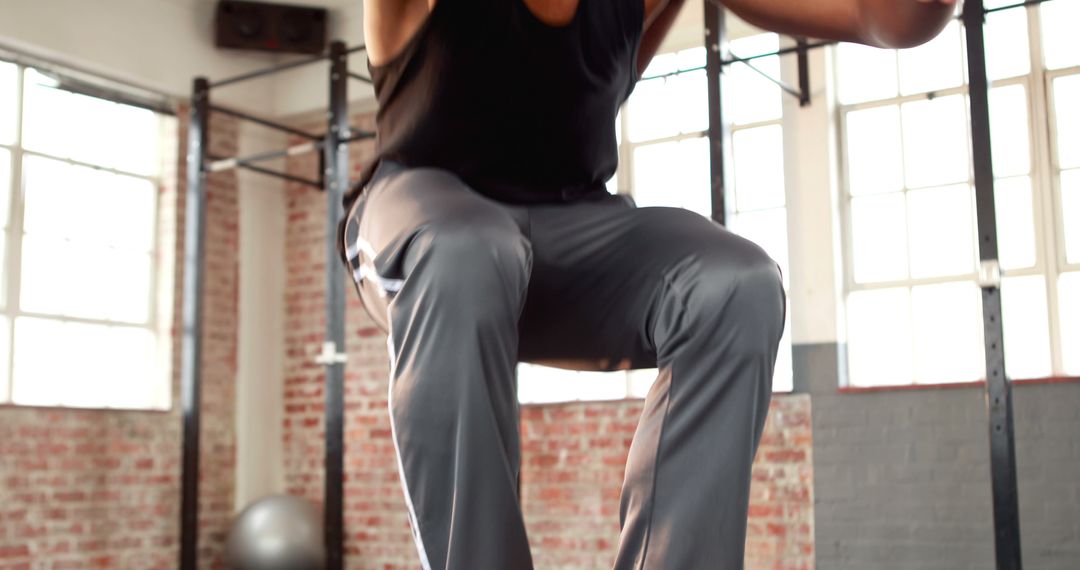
[(812, 191), (260, 364), (161, 44)]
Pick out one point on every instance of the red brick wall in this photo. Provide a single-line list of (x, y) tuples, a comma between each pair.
[(573, 454), (572, 469), (101, 489)]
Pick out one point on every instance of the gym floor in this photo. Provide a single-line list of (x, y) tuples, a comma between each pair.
[(876, 453)]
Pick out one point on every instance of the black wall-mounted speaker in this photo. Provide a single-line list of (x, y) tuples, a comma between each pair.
[(270, 27)]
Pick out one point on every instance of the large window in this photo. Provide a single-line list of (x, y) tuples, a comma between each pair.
[(914, 309), (664, 161), (78, 204)]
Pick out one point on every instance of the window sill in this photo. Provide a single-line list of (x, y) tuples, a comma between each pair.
[(8, 406), (953, 385)]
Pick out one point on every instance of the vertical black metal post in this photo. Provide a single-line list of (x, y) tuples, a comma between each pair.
[(998, 388), (804, 71), (191, 342), (336, 180), (719, 134)]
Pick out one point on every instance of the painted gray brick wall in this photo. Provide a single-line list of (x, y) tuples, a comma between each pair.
[(902, 478)]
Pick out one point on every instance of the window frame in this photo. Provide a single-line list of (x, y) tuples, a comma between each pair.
[(11, 282), (1044, 175)]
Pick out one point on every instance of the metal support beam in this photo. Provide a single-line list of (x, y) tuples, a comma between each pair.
[(268, 71), (358, 135), (192, 320), (264, 122), (804, 71), (998, 388), (719, 133), (336, 157), (781, 51), (270, 172), (1011, 6), (782, 85), (233, 162), (359, 77)]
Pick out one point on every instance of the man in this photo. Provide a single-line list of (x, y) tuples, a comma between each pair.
[(483, 235)]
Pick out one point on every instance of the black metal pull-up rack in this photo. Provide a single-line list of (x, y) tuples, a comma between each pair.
[(998, 388), (334, 180)]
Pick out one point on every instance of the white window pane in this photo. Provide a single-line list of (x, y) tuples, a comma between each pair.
[(5, 353), (45, 113), (758, 167), (1027, 328), (123, 211), (1015, 222), (39, 376), (874, 151), (935, 141), (783, 375), (947, 329), (538, 384), (1061, 43), (1067, 112), (62, 277), (942, 231), (46, 284), (661, 64), (99, 207), (95, 130), (879, 238), (879, 337), (674, 174), (3, 263), (1069, 303), (132, 143), (8, 101), (937, 64), (123, 280), (5, 185), (618, 127), (649, 109), (640, 382), (748, 95), (691, 58), (865, 73), (1009, 131), (103, 366), (1070, 213), (688, 106), (48, 183), (768, 229), (1007, 44)]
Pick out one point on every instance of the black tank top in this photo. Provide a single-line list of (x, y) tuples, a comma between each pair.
[(521, 111)]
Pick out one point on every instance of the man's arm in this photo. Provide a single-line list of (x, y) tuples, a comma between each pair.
[(388, 25), (879, 23)]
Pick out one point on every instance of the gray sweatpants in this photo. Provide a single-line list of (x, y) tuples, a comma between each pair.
[(466, 287)]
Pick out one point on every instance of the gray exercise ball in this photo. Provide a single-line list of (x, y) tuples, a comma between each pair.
[(279, 532)]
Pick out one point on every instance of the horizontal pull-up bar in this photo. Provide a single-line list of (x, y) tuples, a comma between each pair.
[(268, 71), (270, 172), (296, 150), (265, 122), (281, 67)]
